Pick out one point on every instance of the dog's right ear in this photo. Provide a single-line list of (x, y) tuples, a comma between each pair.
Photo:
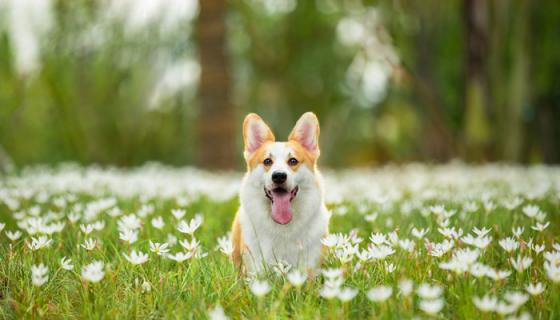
[(255, 134)]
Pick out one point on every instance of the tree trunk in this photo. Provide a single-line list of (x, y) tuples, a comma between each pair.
[(477, 110), (518, 97), (216, 119)]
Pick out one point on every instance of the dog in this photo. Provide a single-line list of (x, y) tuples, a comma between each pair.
[(282, 215)]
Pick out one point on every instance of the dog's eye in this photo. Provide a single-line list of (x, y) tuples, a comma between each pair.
[(267, 162), (292, 161)]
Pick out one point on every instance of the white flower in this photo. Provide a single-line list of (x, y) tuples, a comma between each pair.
[(513, 203), (93, 272), (334, 282), (461, 261), (330, 240), (89, 244), (378, 238), (486, 303), (540, 227), (517, 231), (381, 252), (537, 248), (128, 235), (480, 242), (427, 291), (553, 256), (516, 298), (145, 210), (347, 294), (225, 245), (260, 288), (438, 210), (2, 225), (379, 293), (481, 232), (190, 245), (54, 227), (521, 263), (86, 228), (131, 222), (535, 289), (296, 278), (497, 274), (479, 269), (39, 243), (136, 257), (419, 233), (146, 286), (509, 244), (439, 249), (346, 253), (180, 256), (157, 222), (329, 292), (541, 216), (503, 308), (13, 235), (73, 217), (66, 263), (159, 248), (393, 238), (281, 268), (405, 286), (363, 255), (39, 275), (431, 306), (489, 206), (114, 212), (171, 239), (332, 273), (178, 213), (552, 271), (470, 206), (188, 228), (531, 211), (407, 245), (389, 267), (217, 313), (451, 233)]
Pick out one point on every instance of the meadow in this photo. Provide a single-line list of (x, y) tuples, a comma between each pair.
[(413, 241)]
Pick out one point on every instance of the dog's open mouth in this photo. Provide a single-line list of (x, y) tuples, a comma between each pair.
[(280, 200)]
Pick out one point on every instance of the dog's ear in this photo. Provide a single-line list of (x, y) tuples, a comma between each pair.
[(306, 132), (255, 134)]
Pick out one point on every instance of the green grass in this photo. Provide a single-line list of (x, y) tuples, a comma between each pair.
[(190, 289)]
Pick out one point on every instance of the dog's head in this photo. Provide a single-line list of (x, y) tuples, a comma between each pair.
[(282, 169)]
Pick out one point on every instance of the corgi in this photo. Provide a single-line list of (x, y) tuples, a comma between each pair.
[(282, 215)]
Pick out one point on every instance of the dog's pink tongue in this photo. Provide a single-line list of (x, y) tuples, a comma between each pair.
[(281, 208)]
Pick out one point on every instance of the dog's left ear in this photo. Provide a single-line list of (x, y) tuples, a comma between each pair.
[(306, 132)]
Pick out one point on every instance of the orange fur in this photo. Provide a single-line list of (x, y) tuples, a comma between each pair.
[(303, 156), (237, 241), (258, 157)]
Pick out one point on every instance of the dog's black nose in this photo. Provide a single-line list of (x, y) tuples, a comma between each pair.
[(279, 177)]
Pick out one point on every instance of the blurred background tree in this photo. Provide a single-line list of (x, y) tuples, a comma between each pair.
[(124, 82)]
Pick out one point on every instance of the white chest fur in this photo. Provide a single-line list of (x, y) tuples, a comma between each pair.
[(297, 243)]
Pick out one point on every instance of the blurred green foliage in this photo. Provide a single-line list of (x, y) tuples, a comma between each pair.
[(92, 100)]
